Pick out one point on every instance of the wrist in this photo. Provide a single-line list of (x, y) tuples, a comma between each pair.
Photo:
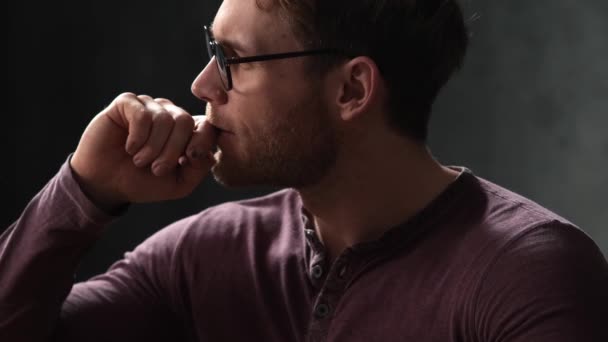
[(105, 200)]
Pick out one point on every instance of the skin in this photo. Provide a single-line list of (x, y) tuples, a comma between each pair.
[(131, 152), (327, 137)]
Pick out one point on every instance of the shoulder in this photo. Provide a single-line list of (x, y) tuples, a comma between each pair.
[(230, 222), (525, 229), (509, 207), (502, 220), (549, 283), (240, 226), (265, 212), (483, 220), (542, 278), (531, 240)]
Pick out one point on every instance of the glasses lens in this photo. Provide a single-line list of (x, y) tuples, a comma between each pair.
[(209, 44), (221, 65), (215, 50)]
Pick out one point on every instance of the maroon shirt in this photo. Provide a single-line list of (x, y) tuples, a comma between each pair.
[(480, 263)]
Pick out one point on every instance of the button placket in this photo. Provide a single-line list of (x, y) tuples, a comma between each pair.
[(334, 281)]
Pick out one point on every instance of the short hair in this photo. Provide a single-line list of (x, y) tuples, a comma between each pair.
[(416, 44)]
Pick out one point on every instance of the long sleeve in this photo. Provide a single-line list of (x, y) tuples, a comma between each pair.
[(39, 254)]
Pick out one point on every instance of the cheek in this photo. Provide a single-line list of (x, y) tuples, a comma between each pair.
[(251, 78), (275, 99)]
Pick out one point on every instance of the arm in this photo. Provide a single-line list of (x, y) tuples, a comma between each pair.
[(138, 299), (138, 149), (131, 302), (39, 254), (550, 284)]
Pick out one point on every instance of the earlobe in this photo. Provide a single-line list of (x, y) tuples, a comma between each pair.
[(359, 87)]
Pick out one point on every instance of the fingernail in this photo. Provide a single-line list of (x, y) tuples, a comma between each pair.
[(160, 169), (129, 148), (137, 160)]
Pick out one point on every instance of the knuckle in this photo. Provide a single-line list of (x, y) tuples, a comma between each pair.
[(163, 117), (163, 100), (125, 96), (151, 150), (124, 100), (140, 115), (184, 120), (199, 125)]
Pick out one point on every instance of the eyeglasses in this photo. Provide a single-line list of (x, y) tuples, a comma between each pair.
[(223, 63)]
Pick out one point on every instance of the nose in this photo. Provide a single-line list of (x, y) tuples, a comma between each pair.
[(208, 86)]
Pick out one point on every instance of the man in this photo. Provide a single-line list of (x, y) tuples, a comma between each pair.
[(373, 240)]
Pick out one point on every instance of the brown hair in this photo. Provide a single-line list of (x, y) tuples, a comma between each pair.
[(416, 44)]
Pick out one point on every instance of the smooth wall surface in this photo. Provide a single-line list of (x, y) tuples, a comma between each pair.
[(528, 111)]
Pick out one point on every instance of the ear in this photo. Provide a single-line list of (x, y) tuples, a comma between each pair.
[(360, 86)]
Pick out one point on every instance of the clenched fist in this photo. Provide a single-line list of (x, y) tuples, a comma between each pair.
[(141, 149)]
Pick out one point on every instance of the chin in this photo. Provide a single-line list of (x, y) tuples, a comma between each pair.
[(229, 173), (290, 173)]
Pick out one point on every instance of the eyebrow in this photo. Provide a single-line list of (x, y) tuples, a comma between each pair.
[(229, 43)]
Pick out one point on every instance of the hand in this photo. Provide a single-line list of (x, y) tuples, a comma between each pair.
[(141, 149)]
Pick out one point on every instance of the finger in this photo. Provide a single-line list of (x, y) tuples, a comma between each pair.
[(133, 116), (162, 124), (183, 160), (204, 139), (177, 141), (162, 101), (192, 174)]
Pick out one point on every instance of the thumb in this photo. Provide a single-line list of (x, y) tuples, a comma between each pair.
[(197, 161), (202, 143)]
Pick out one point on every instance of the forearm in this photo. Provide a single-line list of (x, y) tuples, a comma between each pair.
[(39, 254)]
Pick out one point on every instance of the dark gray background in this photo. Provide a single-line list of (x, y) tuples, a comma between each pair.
[(528, 111)]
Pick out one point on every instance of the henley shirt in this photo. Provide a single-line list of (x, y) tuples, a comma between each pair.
[(479, 263)]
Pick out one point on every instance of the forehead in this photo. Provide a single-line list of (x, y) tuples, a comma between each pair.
[(243, 21)]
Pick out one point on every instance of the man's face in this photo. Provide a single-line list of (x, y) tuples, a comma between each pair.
[(276, 119)]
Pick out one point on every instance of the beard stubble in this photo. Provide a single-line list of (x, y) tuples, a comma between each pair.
[(294, 150)]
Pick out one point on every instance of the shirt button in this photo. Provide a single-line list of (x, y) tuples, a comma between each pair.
[(321, 311), (317, 271)]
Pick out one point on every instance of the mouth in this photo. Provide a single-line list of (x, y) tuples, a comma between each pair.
[(217, 126)]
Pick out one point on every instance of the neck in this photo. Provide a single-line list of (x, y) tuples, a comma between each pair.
[(376, 186)]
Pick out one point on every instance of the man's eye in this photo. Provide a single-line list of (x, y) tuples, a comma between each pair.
[(231, 53), (242, 66)]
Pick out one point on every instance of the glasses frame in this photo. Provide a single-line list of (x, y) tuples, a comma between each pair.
[(223, 63)]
